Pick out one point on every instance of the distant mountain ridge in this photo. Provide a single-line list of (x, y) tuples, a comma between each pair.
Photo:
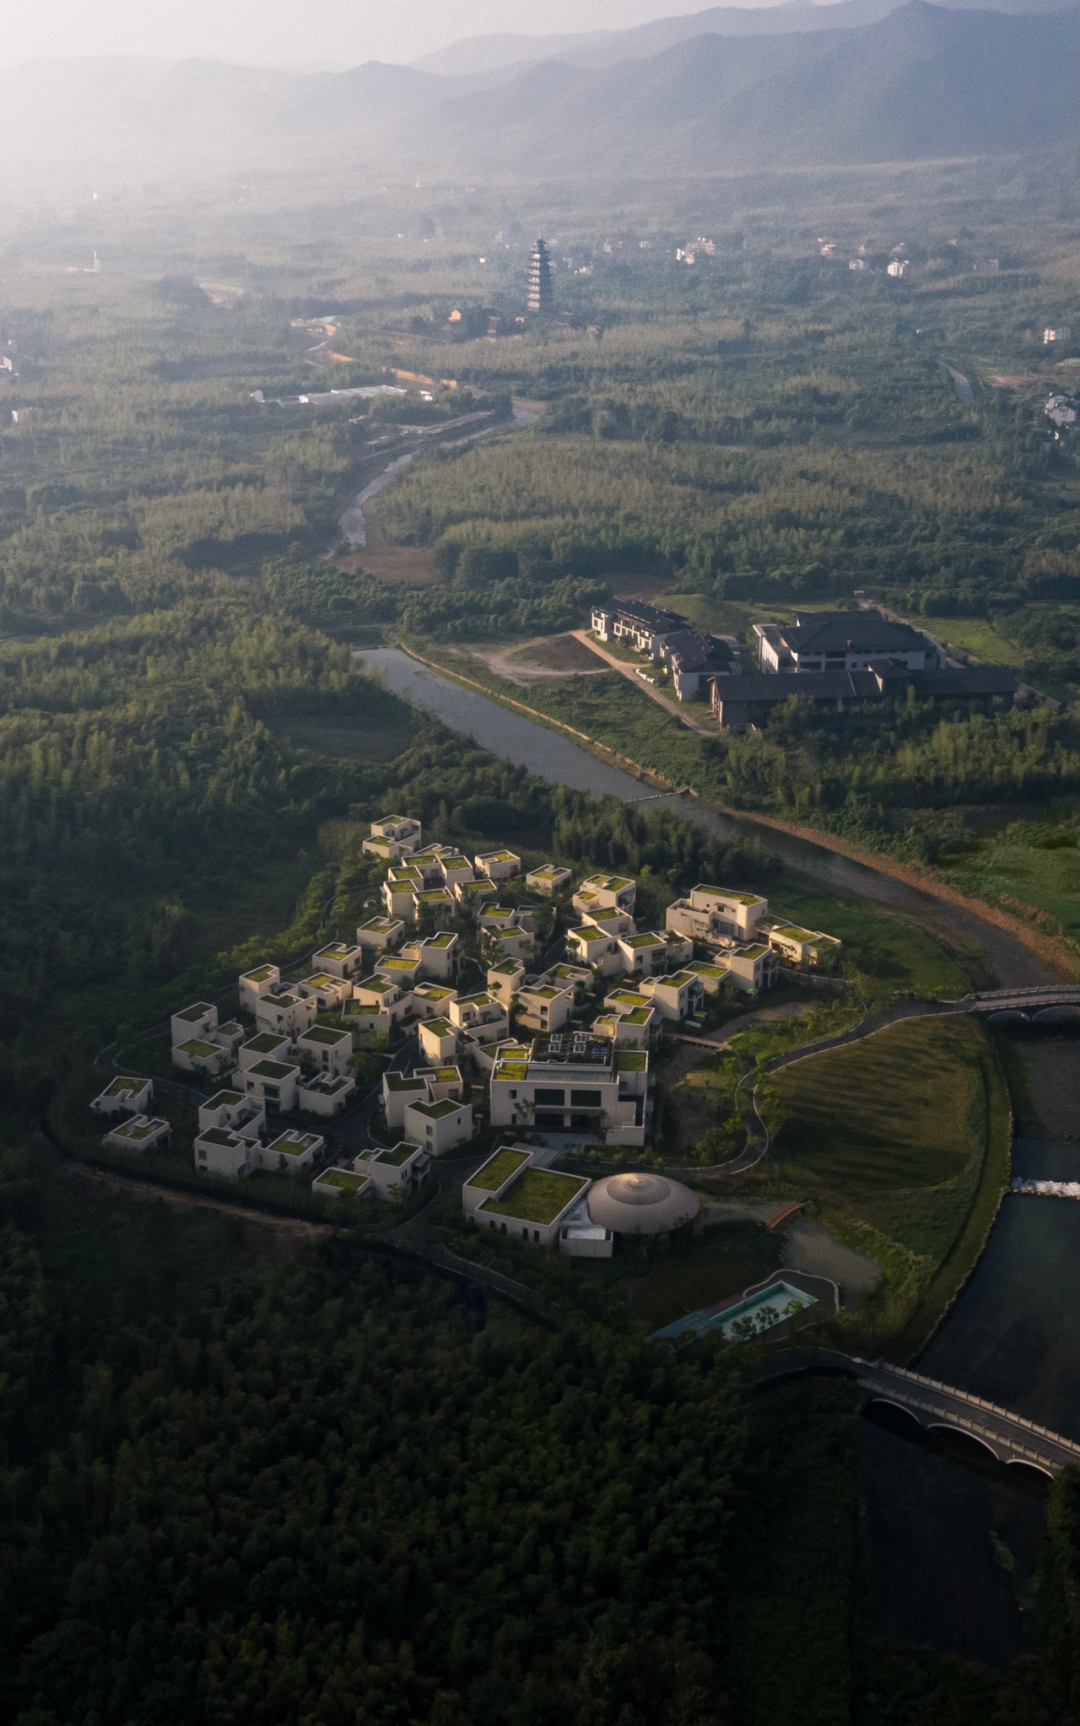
[(600, 48), (924, 81)]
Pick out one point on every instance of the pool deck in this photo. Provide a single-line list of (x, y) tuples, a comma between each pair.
[(696, 1324)]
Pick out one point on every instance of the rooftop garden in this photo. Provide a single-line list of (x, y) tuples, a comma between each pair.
[(537, 1196), (190, 1014), (636, 1016), (264, 1042), (272, 1070), (437, 1111), (218, 1136), (198, 1050), (343, 1178), (793, 934), (752, 952), (446, 939), (320, 1034), (225, 1100), (290, 1148), (513, 1072), (403, 1082), (400, 1154), (631, 1061), (120, 1087), (260, 975), (639, 941), (502, 1165)]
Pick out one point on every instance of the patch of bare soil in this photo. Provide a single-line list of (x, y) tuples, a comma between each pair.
[(547, 656), (410, 564)]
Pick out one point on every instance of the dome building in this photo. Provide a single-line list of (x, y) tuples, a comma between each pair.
[(641, 1204)]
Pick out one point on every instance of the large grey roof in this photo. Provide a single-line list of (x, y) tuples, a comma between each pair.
[(863, 631), (641, 1204), (969, 682)]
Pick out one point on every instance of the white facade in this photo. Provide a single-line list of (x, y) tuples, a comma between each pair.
[(341, 960), (590, 946), (499, 865), (545, 1007), (220, 1151), (290, 1152), (273, 1083), (674, 997), (326, 1093), (482, 1015), (549, 880), (438, 955), (198, 1056), (124, 1096), (234, 1112), (330, 1050), (198, 1021), (398, 1091), (432, 1000), (504, 979), (438, 1040), (255, 984), (439, 1127), (520, 1200), (325, 990), (381, 932), (605, 893), (139, 1133), (713, 915), (395, 1171), (569, 1084), (267, 1046), (288, 1014)]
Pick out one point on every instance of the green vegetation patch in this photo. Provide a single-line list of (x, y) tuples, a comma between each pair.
[(735, 1255), (1029, 868), (890, 1112), (491, 1177), (537, 1196)]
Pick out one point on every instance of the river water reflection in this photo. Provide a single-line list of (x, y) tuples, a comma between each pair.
[(950, 1553)]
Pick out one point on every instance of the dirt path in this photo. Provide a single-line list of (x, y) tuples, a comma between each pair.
[(630, 671), (179, 1201)]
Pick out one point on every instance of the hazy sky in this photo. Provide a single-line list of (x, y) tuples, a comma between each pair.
[(327, 32)]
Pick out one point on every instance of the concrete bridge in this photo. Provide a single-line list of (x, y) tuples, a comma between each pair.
[(1007, 1437), (1049, 1004)]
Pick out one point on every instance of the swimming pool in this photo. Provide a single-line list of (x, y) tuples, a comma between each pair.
[(757, 1312)]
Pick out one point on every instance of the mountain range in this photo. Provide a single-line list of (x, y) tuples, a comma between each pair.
[(921, 82)]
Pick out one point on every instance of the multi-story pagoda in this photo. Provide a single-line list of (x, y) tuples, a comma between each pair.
[(540, 298)]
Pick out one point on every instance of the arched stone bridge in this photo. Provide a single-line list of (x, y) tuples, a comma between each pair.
[(1007, 1437), (1050, 1003)]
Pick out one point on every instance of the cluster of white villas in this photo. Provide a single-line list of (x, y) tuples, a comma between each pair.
[(592, 1084)]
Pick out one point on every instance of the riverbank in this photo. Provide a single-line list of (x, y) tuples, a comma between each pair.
[(1052, 952)]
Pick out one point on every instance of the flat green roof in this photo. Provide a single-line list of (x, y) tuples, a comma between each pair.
[(290, 1148), (438, 1111), (499, 1169), (122, 1084), (400, 1154), (795, 934), (190, 1014), (752, 952), (194, 1047), (258, 976), (342, 1178), (403, 1082), (630, 1061), (265, 1041), (440, 1027), (218, 1136), (224, 1099), (537, 1196), (321, 1034), (271, 1069), (646, 941), (446, 939)]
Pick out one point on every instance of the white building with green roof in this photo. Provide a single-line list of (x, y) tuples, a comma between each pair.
[(550, 879), (139, 1133), (124, 1096), (439, 1126), (499, 865), (715, 915)]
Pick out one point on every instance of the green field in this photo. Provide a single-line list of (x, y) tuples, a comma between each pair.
[(1029, 868), (901, 1143), (902, 954), (977, 636), (889, 1113)]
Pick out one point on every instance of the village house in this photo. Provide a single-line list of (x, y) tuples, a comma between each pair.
[(199, 1021), (325, 1093), (398, 1091), (569, 1083), (234, 1111), (340, 960), (499, 865), (472, 896), (124, 1096), (548, 880), (338, 1183), (138, 1133), (396, 1171), (267, 1046), (273, 1084), (674, 997), (385, 994), (715, 916), (482, 1015), (438, 1041), (393, 836), (290, 1152), (432, 1000), (544, 1006), (381, 933), (504, 979), (329, 1050), (288, 1014), (439, 1126), (199, 1056), (510, 1194), (255, 984), (588, 945), (842, 641), (605, 893), (438, 955)]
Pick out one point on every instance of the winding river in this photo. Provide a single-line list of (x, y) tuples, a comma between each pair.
[(950, 1553)]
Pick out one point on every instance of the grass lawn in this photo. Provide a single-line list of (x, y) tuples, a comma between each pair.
[(889, 1113), (734, 1255), (901, 1142), (901, 953), (976, 636), (537, 1197), (697, 1099), (1029, 868)]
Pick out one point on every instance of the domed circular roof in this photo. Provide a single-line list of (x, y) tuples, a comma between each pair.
[(641, 1204)]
